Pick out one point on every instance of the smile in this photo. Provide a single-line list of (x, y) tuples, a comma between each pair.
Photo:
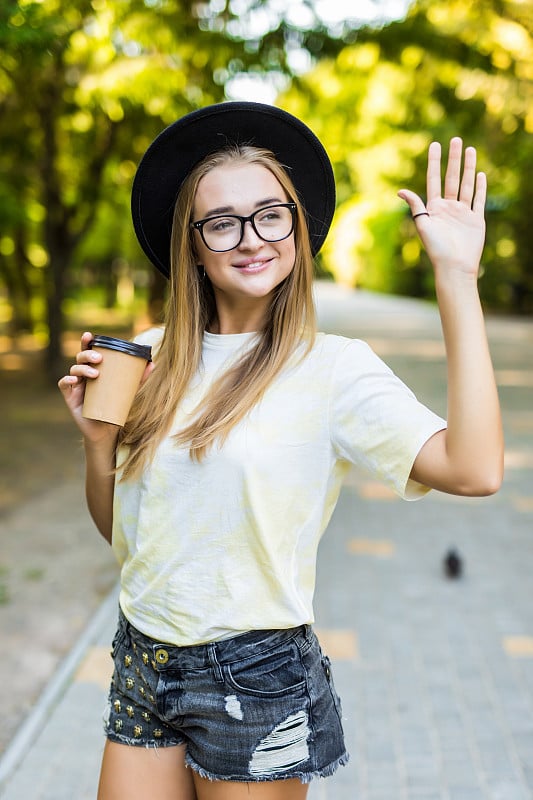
[(253, 266)]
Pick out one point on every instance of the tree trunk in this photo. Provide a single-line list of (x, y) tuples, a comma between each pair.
[(60, 256), (23, 320), (20, 309)]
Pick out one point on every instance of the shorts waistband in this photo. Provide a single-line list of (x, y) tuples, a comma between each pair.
[(200, 656)]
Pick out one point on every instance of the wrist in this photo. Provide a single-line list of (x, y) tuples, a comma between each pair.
[(101, 447), (456, 282)]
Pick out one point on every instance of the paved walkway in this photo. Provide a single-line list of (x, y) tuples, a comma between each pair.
[(436, 675)]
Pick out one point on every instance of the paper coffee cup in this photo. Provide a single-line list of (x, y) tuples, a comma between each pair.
[(108, 397)]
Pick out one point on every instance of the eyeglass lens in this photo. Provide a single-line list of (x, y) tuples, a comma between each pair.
[(271, 224)]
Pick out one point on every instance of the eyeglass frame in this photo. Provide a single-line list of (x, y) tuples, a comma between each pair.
[(199, 225)]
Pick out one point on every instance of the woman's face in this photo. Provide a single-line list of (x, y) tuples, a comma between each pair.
[(245, 276)]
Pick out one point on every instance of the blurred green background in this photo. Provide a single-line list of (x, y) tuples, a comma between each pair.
[(86, 85)]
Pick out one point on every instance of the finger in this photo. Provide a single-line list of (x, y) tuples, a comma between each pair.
[(419, 212), (480, 196), (415, 203), (453, 169), (67, 382), (86, 340), (88, 357), (83, 371), (70, 387), (433, 180), (466, 192)]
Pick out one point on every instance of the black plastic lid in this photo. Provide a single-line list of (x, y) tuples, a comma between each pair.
[(130, 348)]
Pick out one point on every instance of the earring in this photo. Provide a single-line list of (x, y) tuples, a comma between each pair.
[(202, 273)]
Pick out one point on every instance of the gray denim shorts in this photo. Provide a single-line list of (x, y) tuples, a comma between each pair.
[(260, 706)]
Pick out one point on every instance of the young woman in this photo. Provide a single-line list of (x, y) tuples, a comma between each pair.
[(216, 492)]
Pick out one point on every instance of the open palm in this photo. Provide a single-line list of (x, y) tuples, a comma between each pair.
[(451, 225)]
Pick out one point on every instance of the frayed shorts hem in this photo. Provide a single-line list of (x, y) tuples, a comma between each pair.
[(303, 777)]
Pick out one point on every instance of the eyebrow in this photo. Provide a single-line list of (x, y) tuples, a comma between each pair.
[(267, 201)]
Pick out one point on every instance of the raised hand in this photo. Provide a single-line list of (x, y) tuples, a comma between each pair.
[(467, 457), (451, 225)]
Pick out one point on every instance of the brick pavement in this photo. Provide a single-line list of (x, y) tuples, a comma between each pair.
[(436, 675)]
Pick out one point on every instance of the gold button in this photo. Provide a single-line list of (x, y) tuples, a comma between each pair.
[(161, 656)]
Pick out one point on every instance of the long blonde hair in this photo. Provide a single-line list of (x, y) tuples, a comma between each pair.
[(191, 307)]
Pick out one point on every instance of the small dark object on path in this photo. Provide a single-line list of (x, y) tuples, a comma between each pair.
[(453, 564)]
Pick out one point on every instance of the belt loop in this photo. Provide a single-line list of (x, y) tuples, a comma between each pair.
[(217, 669)]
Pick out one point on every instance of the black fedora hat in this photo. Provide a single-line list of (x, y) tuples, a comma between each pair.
[(176, 150)]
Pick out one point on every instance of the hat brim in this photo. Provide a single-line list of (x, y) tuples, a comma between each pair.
[(177, 149)]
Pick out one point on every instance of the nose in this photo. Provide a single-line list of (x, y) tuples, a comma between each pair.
[(250, 239)]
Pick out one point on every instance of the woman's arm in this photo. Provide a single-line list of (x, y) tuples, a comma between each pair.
[(467, 457), (99, 439), (100, 485)]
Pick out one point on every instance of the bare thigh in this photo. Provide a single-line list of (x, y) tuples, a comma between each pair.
[(291, 789), (136, 773)]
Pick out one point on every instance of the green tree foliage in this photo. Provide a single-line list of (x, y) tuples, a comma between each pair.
[(453, 67), (86, 85), (70, 104)]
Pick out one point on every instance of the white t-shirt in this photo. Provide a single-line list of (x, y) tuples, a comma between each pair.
[(212, 549)]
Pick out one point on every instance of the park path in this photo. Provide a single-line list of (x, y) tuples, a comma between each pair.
[(436, 675)]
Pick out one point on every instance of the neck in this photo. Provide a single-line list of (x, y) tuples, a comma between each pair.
[(244, 319)]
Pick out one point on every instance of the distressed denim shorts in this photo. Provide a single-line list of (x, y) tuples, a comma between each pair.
[(259, 706)]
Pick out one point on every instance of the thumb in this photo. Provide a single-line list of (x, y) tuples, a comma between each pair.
[(415, 203), (147, 372)]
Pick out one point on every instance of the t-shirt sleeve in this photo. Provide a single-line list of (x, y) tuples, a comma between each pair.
[(152, 336), (376, 422)]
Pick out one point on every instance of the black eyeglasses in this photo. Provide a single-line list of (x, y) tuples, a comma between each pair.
[(225, 232)]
